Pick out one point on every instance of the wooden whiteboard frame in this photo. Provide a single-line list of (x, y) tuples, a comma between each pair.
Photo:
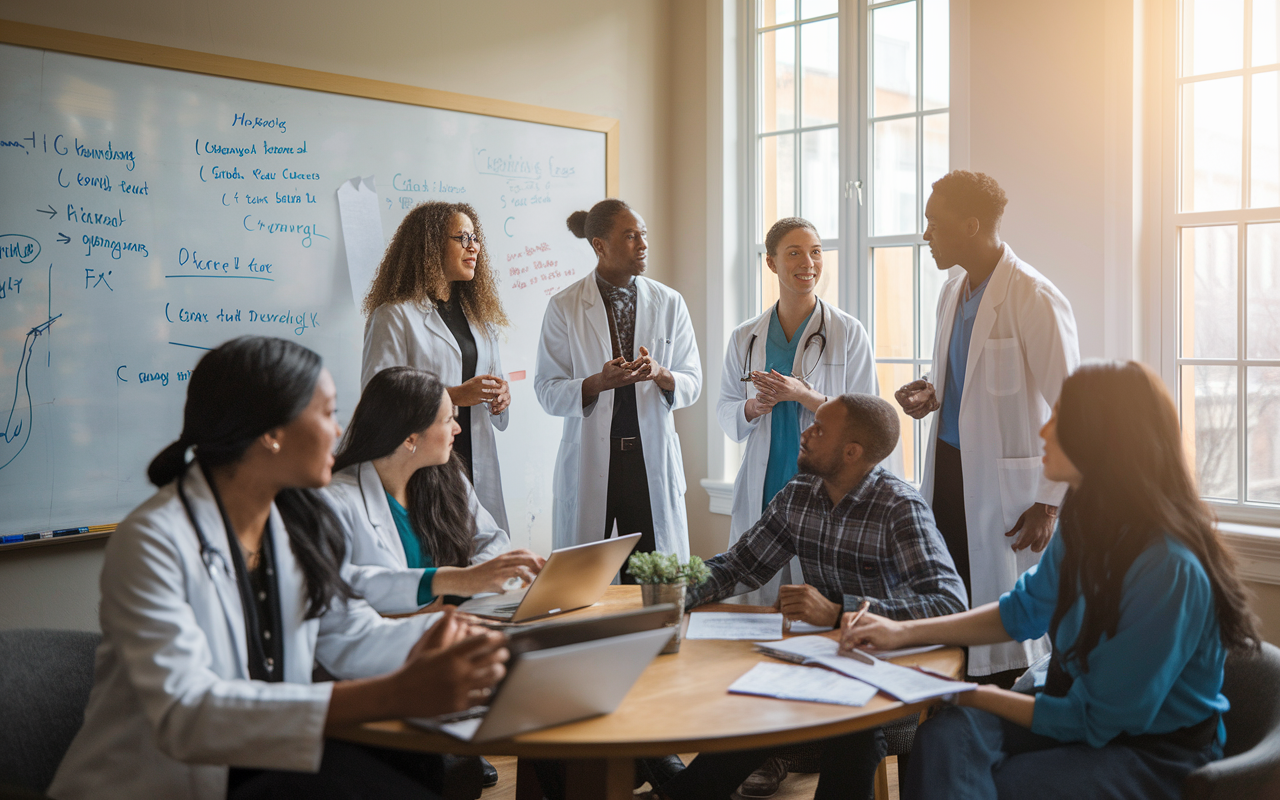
[(153, 55)]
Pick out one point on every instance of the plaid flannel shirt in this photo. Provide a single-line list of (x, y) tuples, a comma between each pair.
[(878, 543)]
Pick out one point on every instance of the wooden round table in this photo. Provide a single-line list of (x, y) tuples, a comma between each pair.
[(680, 704)]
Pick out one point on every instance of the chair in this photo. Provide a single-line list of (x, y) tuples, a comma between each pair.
[(45, 678), (1250, 766), (899, 735)]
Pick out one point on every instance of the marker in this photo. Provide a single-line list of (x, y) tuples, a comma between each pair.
[(13, 538)]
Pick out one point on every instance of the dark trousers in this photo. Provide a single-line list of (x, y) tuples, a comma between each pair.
[(628, 499), (347, 772), (847, 765), (966, 754), (948, 508)]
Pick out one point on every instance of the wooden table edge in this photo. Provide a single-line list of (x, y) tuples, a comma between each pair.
[(391, 734)]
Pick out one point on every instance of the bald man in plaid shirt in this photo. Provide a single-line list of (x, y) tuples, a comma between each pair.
[(861, 533)]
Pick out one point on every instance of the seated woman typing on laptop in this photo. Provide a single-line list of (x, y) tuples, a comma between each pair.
[(415, 528), (1141, 602), (221, 592)]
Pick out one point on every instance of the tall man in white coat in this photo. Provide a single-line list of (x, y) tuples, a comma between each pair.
[(1006, 339), (616, 357)]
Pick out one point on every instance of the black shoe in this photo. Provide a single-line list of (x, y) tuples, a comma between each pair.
[(765, 781), (657, 771), (490, 773)]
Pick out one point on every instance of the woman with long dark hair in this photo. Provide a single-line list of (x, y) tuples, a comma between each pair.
[(1141, 602), (220, 594), (415, 527), (434, 305)]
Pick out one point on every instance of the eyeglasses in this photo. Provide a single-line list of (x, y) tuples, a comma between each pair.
[(467, 239)]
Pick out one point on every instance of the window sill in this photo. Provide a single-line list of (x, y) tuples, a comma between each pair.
[(721, 494), (1257, 550)]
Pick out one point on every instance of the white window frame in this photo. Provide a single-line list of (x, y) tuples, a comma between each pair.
[(1171, 359)]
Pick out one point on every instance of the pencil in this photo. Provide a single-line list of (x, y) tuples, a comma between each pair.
[(862, 609)]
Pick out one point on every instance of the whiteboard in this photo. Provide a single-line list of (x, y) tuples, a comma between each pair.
[(150, 214)]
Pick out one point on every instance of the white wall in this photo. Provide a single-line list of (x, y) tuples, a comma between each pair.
[(606, 57)]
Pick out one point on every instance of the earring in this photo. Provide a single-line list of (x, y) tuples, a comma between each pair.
[(413, 448), (275, 447)]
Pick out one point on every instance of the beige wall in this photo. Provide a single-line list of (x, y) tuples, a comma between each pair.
[(607, 57), (1267, 605)]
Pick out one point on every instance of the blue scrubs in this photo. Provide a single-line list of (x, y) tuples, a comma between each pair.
[(784, 430), (957, 364), (413, 552)]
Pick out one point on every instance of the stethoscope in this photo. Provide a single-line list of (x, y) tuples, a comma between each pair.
[(207, 551), (820, 334)]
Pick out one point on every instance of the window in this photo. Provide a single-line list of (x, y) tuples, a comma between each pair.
[(1227, 230), (907, 76), (849, 127), (796, 133)]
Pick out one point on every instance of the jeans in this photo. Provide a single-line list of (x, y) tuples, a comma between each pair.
[(967, 754)]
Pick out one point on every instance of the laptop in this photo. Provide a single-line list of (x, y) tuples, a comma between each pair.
[(578, 677), (573, 577)]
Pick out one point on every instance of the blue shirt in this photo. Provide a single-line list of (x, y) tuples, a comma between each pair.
[(1163, 669), (784, 429), (958, 364), (413, 553)]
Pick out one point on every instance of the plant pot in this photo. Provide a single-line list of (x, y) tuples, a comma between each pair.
[(651, 594)]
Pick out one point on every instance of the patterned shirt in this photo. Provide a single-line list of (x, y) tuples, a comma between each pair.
[(620, 310), (879, 543)]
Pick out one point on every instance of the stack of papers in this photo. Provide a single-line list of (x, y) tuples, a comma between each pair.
[(905, 683), (732, 625), (789, 682)]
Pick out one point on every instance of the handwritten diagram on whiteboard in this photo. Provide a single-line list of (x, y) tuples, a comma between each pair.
[(152, 214)]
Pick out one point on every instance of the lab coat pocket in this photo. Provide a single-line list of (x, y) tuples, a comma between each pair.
[(1003, 359), (1019, 482)]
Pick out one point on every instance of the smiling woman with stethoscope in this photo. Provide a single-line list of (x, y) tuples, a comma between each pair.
[(778, 369)]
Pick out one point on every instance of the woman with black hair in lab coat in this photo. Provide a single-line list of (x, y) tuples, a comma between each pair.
[(220, 594)]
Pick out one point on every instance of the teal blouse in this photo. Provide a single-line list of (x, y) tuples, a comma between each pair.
[(784, 429), (413, 551)]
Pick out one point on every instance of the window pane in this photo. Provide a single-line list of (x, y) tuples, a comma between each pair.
[(892, 376), (891, 269), (937, 153), (893, 173), (932, 280), (1264, 142), (773, 12), (818, 8), (1263, 410), (1266, 34), (820, 181), (1209, 269), (1212, 144), (1209, 431), (777, 179), (1212, 36), (1262, 290), (778, 79), (828, 284), (820, 51), (936, 51), (893, 59)]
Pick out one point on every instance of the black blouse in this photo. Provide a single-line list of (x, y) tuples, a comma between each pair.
[(453, 316)]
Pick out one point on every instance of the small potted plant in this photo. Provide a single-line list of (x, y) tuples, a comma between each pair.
[(663, 579)]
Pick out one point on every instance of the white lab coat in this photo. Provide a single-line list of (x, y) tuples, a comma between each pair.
[(381, 572), (1022, 348), (846, 365), (172, 703), (575, 345), (413, 335)]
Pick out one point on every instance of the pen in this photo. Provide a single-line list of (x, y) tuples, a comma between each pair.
[(862, 609)]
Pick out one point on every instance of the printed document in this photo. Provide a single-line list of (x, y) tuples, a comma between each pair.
[(730, 625), (813, 684)]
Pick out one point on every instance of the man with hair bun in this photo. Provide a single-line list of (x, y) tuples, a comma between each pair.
[(1006, 340), (617, 355), (862, 535)]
